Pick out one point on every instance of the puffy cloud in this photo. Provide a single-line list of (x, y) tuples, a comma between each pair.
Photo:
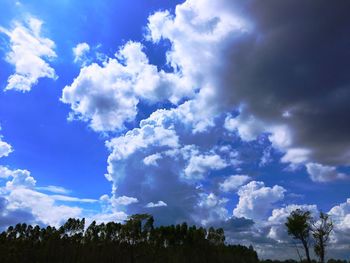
[(247, 127), (5, 148), (340, 215), (173, 158), (278, 218), (79, 52), (323, 173), (41, 206), (233, 182), (124, 200), (147, 136), (13, 216), (239, 46), (22, 199), (29, 54), (20, 178), (107, 95), (198, 165), (210, 209), (152, 159), (256, 200), (102, 97), (157, 204)]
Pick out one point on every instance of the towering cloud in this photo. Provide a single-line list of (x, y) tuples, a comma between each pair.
[(283, 66)]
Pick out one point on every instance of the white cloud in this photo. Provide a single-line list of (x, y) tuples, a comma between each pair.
[(42, 206), (323, 173), (207, 40), (233, 182), (20, 179), (123, 200), (140, 138), (102, 96), (247, 127), (23, 198), (54, 189), (30, 53), (199, 165), (295, 156), (211, 200), (66, 198), (5, 148), (340, 215), (256, 200), (157, 204), (107, 96), (211, 209), (152, 159), (80, 51), (278, 219)]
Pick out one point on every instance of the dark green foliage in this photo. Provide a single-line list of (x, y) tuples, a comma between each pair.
[(298, 226), (135, 241)]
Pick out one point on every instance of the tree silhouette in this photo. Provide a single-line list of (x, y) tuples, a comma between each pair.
[(298, 225), (135, 241), (321, 231)]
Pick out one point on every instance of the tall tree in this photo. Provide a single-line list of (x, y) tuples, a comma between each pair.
[(299, 226), (321, 231)]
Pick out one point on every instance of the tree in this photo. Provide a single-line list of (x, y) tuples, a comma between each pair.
[(299, 226), (321, 231)]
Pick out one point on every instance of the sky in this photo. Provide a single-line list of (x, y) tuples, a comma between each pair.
[(219, 113)]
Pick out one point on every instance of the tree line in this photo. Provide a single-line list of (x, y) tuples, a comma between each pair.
[(135, 241)]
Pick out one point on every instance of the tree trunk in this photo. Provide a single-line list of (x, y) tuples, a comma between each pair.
[(307, 253)]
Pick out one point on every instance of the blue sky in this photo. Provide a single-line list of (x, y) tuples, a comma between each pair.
[(217, 114)]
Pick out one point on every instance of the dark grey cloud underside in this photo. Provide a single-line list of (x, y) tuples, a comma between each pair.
[(13, 217), (296, 59)]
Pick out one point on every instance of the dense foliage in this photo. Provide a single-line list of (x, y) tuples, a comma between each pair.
[(137, 240)]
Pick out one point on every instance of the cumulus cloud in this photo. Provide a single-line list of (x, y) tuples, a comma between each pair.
[(157, 204), (278, 218), (23, 202), (323, 173), (29, 54), (233, 182), (247, 127), (42, 206), (80, 51), (124, 200), (210, 209), (253, 73), (340, 214), (107, 96), (13, 216), (174, 161), (152, 159), (198, 165), (20, 179), (256, 200), (5, 148)]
